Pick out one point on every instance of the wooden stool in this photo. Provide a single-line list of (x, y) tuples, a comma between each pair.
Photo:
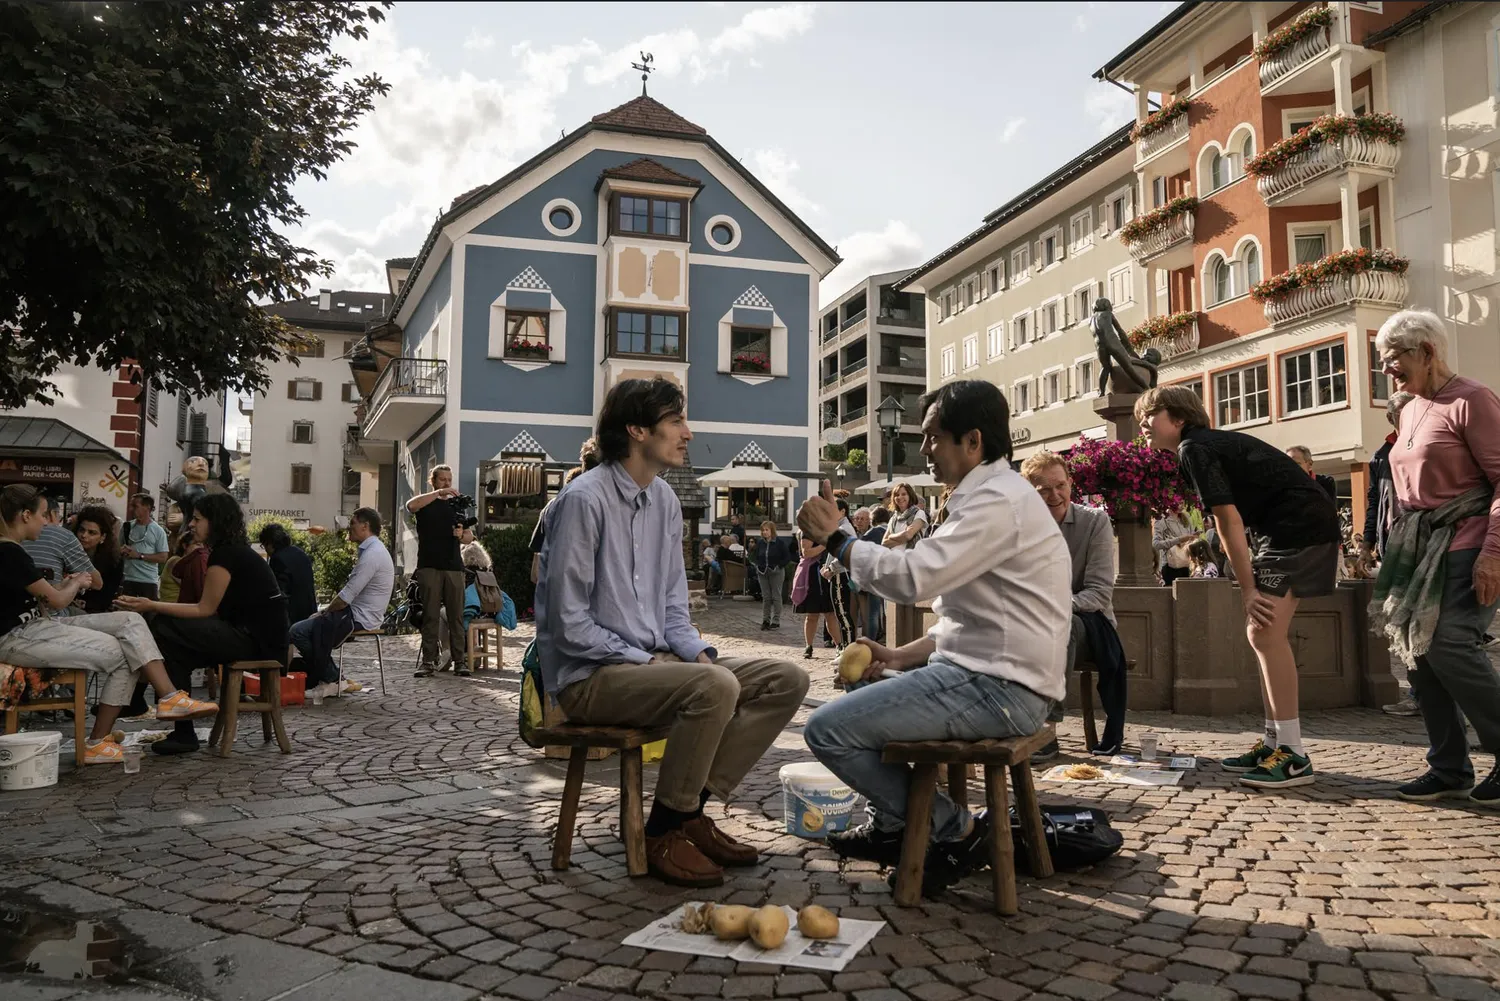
[(1085, 668), (479, 648), (628, 741), (379, 657), (995, 755), (268, 705), (76, 702)]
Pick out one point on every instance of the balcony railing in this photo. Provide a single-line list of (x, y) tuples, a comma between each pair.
[(900, 318), (1326, 158), (1153, 144), (1307, 47), (1180, 343), (1381, 288), (830, 378), (1179, 228), (851, 321), (855, 366), (352, 450), (830, 334), (406, 377), (857, 414), (915, 369)]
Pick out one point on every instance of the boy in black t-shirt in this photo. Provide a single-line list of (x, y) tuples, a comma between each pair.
[(1253, 487)]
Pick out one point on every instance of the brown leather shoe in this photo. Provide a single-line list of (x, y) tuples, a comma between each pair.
[(716, 845), (672, 858)]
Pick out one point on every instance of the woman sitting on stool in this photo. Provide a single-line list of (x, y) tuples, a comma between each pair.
[(241, 616)]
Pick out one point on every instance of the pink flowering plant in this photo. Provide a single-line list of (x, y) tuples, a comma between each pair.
[(1160, 118), (1377, 127), (1339, 263), (750, 362), (1289, 34), (520, 347), (1159, 329), (1133, 479), (1157, 219)]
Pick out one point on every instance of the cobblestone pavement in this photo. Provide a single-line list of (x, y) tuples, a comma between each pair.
[(406, 842)]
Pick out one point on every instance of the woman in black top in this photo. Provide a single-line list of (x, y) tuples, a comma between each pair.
[(241, 616), (98, 531), (1251, 486)]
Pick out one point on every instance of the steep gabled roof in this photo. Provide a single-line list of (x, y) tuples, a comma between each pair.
[(347, 310), (400, 262), (649, 115), (647, 169)]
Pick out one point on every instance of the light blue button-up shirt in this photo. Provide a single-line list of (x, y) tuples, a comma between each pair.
[(368, 590), (611, 587)]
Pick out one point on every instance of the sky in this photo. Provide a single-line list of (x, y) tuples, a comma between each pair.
[(891, 129)]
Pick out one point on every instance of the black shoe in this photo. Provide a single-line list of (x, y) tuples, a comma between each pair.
[(175, 745), (1106, 748), (949, 862), (462, 671), (1487, 793), (868, 844), (1046, 753), (424, 671), (1430, 787), (764, 626), (807, 653), (776, 625)]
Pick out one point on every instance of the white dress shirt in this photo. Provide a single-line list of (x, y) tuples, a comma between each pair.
[(1001, 575)]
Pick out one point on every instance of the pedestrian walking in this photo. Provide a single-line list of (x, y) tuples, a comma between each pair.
[(771, 559), (812, 596)]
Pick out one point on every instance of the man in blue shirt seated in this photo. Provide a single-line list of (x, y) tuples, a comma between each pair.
[(360, 605), (617, 646)]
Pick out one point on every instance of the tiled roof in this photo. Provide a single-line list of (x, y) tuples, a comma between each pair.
[(684, 483), (650, 115), (400, 262), (349, 310), (47, 434), (454, 204), (647, 169)]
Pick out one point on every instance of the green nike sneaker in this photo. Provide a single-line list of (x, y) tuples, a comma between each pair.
[(1284, 769), (1248, 760)]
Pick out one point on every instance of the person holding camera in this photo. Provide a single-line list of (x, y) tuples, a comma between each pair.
[(440, 569)]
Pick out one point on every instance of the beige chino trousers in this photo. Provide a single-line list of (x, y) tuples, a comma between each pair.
[(723, 716)]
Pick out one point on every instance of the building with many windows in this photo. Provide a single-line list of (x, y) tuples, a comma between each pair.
[(1011, 302), (1267, 165), (635, 246), (306, 463), (873, 346)]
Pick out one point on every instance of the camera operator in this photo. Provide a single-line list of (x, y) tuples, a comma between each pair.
[(440, 569)]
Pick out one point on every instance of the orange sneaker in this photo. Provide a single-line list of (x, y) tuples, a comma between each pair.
[(105, 752), (180, 705)]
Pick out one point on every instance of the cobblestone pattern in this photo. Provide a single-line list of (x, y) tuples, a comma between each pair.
[(413, 832)]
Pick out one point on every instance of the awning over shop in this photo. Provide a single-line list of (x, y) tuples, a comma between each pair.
[(48, 436)]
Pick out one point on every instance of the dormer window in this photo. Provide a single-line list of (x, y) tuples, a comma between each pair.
[(639, 215)]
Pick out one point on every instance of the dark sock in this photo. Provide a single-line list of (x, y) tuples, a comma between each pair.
[(183, 732), (663, 819), (702, 799)]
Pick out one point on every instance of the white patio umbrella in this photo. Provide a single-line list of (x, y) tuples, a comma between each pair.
[(747, 477), (919, 481)]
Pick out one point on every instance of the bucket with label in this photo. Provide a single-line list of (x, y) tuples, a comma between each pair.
[(28, 760), (815, 800)]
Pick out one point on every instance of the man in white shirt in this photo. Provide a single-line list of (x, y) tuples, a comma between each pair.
[(360, 605), (991, 666)]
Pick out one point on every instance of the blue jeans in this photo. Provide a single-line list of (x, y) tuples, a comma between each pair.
[(316, 638), (940, 701)]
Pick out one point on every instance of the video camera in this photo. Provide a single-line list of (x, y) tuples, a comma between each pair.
[(462, 504)]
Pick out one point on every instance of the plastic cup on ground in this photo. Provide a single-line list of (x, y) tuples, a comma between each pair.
[(315, 695), (132, 758), (1148, 747)]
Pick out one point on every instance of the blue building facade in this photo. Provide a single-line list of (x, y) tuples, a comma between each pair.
[(634, 247)]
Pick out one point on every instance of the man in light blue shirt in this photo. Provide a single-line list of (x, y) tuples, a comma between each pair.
[(360, 605), (617, 646), (143, 544)]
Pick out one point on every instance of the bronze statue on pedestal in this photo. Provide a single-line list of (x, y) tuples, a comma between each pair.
[(1119, 365)]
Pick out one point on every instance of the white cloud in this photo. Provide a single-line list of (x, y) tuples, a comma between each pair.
[(775, 170), (768, 24), (477, 42), (871, 252), (1109, 106), (1011, 128), (684, 51)]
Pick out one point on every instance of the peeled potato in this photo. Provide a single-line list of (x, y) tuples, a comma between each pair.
[(731, 923), (817, 922), (854, 662), (768, 927)]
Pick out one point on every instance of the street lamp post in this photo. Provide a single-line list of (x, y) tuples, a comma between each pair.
[(839, 471), (889, 416)]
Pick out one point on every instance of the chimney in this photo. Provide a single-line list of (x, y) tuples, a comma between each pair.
[(325, 299)]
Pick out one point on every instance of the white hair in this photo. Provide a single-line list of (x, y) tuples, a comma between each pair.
[(1411, 329)]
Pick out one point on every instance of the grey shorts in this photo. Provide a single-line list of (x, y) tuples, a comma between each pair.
[(1307, 573)]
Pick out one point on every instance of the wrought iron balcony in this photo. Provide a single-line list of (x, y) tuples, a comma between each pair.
[(407, 394)]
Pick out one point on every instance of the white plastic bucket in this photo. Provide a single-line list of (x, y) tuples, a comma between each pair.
[(815, 800), (28, 760)]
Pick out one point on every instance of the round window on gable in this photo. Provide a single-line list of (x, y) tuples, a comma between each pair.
[(722, 234), (560, 218)]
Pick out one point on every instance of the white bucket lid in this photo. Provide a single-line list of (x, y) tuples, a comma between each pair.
[(18, 747), (810, 773)]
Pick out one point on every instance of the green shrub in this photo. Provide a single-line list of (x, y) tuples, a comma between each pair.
[(835, 453), (510, 551), (333, 562), (857, 457), (302, 540)]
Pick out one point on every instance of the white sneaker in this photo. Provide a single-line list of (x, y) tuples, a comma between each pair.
[(325, 690)]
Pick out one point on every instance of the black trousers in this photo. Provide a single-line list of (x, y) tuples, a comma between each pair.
[(189, 644), (1169, 574)]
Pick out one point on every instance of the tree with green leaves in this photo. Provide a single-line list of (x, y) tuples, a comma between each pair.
[(149, 153)]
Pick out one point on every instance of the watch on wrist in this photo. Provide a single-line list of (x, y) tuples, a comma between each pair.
[(836, 540)]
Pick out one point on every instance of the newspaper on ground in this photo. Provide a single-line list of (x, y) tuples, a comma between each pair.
[(1171, 761), (665, 934), (1113, 776)]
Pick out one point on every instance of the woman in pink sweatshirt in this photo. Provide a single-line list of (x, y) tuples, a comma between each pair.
[(1440, 581)]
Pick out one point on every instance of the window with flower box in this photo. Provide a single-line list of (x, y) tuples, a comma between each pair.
[(1312, 380), (527, 335), (750, 350), (1242, 396)]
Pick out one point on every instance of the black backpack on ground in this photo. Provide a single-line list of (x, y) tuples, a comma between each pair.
[(1077, 837)]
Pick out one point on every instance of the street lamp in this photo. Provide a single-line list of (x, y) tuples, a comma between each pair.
[(839, 471), (889, 416)]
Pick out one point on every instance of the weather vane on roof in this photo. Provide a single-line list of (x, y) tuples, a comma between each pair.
[(646, 69)]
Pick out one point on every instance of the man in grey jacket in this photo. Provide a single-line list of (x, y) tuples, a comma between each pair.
[(1091, 547)]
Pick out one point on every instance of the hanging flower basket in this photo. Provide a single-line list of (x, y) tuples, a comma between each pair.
[(750, 363), (1344, 262), (1379, 127), (1159, 329), (529, 349), (1157, 219), (1160, 118), (1134, 480), (1294, 31)]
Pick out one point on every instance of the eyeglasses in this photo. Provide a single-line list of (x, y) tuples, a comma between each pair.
[(1388, 362)]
